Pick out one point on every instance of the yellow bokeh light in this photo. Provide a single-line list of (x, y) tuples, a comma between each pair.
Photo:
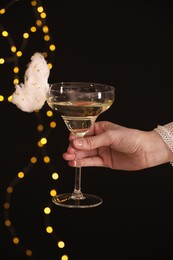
[(14, 58), (7, 223), (33, 3), (21, 175), (55, 176), (10, 189), (16, 240), (26, 35), (53, 193), (47, 210), (2, 61), (9, 98), (2, 11), (45, 55), (40, 9), (49, 229), (49, 113), (33, 159), (61, 244), (53, 124), (52, 47), (16, 69), (28, 252), (46, 38), (64, 257), (50, 65), (6, 205), (45, 29), (40, 127), (19, 53), (33, 29), (43, 15), (39, 23), (39, 144), (1, 98), (43, 140), (13, 48), (5, 33), (16, 81), (46, 159)]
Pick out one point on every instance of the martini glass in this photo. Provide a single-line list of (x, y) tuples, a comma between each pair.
[(79, 104)]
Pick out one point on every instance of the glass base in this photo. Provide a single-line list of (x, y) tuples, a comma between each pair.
[(68, 200)]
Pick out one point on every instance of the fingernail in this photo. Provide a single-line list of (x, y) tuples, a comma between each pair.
[(78, 142), (74, 163)]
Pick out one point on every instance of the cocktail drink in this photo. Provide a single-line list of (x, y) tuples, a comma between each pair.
[(79, 104)]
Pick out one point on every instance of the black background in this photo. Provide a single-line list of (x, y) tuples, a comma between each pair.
[(127, 44)]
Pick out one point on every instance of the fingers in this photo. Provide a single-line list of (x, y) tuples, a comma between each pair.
[(90, 161), (72, 154), (69, 156), (92, 142), (72, 137), (78, 158)]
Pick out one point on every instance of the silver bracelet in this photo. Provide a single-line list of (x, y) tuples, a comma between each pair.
[(166, 132)]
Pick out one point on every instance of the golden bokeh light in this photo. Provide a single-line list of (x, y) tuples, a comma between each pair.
[(16, 53)]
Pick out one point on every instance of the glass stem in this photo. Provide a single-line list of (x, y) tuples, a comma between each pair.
[(77, 186), (77, 193)]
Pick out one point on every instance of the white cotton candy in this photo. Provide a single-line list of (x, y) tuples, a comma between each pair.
[(31, 95)]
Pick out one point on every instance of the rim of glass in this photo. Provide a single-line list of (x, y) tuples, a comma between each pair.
[(83, 83)]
